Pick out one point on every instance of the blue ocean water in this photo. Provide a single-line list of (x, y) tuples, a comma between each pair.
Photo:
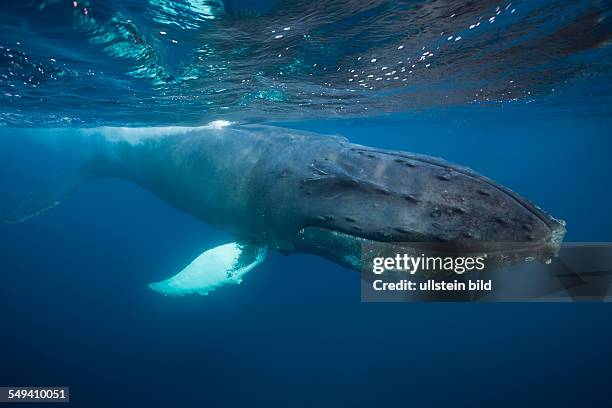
[(74, 306)]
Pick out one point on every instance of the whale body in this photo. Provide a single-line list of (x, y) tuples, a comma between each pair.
[(297, 192)]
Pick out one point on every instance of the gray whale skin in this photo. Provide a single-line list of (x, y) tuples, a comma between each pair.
[(298, 192)]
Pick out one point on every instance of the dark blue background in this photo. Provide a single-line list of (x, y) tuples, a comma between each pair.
[(75, 309)]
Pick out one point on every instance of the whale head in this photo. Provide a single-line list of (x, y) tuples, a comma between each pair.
[(364, 195)]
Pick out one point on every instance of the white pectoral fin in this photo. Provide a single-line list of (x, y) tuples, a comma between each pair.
[(212, 269)]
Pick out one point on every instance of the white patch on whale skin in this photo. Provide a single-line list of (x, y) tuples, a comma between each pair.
[(218, 124), (216, 267)]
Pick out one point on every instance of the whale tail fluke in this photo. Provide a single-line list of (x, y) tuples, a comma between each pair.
[(52, 193)]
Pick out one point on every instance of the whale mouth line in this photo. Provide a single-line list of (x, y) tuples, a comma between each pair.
[(542, 250)]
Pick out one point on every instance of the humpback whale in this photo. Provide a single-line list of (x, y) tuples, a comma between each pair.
[(291, 191)]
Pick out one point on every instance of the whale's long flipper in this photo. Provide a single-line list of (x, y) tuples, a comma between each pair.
[(214, 268)]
